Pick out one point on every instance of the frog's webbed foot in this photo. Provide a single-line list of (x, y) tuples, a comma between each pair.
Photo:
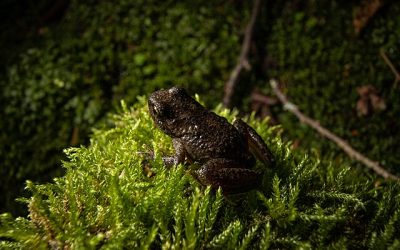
[(255, 143), (232, 177), (181, 156), (170, 161), (148, 156)]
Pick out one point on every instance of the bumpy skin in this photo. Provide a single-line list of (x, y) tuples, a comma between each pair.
[(225, 151)]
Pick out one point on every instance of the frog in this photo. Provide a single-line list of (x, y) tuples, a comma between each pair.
[(225, 152)]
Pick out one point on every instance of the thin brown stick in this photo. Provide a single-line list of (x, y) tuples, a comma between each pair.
[(242, 61), (267, 100), (328, 134), (391, 66)]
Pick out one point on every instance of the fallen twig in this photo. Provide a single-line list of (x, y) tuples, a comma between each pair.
[(242, 61), (267, 100), (325, 132), (391, 66)]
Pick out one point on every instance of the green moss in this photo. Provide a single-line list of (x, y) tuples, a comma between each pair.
[(111, 197)]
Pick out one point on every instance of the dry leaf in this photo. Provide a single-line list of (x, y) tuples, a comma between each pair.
[(369, 100), (364, 13), (377, 103), (362, 107)]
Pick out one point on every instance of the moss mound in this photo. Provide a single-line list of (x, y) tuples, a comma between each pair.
[(111, 197)]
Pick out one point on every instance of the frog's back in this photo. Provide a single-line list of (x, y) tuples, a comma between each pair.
[(210, 136)]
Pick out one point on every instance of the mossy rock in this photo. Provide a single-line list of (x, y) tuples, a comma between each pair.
[(112, 196)]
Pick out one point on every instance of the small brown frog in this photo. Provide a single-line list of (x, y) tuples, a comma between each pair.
[(224, 151)]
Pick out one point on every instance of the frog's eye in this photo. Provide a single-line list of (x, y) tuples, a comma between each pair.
[(176, 90), (163, 112)]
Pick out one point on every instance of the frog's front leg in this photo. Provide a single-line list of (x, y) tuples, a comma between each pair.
[(229, 175), (180, 154), (255, 143)]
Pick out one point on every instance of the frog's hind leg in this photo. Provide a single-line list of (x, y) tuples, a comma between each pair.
[(255, 143), (232, 177)]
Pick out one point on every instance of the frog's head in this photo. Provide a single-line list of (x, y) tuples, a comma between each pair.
[(170, 108)]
